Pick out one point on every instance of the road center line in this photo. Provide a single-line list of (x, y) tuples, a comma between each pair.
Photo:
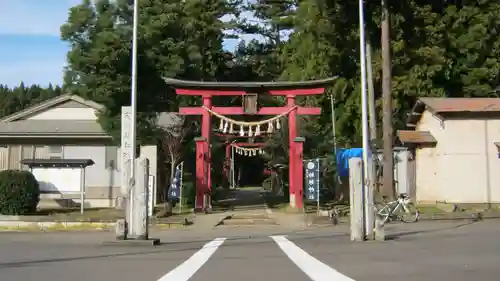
[(312, 267), (189, 267)]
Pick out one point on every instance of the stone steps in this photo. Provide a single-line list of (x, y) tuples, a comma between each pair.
[(248, 221), (250, 216)]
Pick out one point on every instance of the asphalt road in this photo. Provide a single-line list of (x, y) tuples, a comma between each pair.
[(423, 251)]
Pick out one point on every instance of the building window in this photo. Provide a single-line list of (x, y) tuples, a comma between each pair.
[(55, 151), (111, 157)]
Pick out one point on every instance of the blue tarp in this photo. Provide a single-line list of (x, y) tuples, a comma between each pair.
[(343, 156)]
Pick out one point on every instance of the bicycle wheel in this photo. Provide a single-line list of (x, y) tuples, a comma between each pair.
[(409, 213)]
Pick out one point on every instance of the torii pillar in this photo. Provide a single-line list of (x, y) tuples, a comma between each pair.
[(288, 89)]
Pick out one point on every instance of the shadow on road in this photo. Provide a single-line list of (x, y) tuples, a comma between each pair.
[(397, 235), (194, 245), (242, 199)]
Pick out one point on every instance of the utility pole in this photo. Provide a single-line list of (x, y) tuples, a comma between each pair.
[(369, 215), (372, 115), (372, 112), (387, 102), (132, 223)]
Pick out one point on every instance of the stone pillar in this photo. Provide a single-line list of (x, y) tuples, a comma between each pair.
[(356, 199), (139, 226), (369, 206), (299, 172), (125, 191)]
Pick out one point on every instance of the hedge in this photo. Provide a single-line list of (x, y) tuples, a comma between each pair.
[(19, 192)]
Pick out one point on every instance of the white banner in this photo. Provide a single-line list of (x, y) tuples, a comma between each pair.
[(126, 147), (151, 194)]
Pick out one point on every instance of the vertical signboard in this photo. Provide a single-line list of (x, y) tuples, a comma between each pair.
[(175, 187), (312, 179), (126, 147), (151, 194)]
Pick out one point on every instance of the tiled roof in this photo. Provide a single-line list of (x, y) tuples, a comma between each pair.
[(451, 105), (220, 85), (69, 127), (416, 137), (48, 104), (442, 105), (51, 127)]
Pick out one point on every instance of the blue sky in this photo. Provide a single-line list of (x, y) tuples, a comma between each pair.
[(30, 48)]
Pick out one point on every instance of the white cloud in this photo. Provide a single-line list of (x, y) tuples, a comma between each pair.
[(34, 17)]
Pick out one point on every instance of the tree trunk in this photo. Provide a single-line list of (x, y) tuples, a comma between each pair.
[(388, 169)]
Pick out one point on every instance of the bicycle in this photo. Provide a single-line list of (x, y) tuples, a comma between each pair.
[(391, 210)]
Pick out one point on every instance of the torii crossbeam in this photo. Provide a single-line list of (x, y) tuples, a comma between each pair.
[(207, 90)]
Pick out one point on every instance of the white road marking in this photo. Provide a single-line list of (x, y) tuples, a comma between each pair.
[(312, 267), (189, 267)]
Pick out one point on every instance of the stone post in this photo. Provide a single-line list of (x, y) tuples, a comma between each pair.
[(369, 206), (139, 227), (356, 199)]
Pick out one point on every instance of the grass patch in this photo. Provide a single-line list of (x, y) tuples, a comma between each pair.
[(93, 214), (73, 214), (429, 209)]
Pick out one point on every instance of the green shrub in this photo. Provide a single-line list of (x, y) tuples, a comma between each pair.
[(19, 192)]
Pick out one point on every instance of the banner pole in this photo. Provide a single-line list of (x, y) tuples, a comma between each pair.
[(180, 186), (317, 183)]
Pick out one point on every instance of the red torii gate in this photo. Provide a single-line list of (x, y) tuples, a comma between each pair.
[(228, 144), (227, 159), (209, 89)]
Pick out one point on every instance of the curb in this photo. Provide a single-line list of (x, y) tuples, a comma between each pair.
[(54, 226), (423, 217), (458, 216), (70, 226)]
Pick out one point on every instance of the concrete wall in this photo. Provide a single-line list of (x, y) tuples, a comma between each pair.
[(463, 166), (404, 181), (102, 180), (67, 111)]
